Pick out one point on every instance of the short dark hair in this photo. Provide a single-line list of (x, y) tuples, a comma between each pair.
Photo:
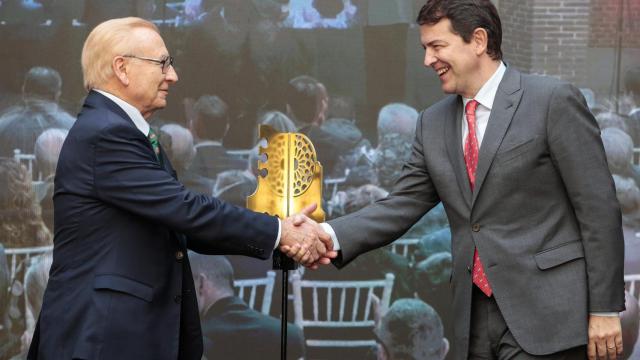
[(212, 117), (42, 82), (304, 95), (465, 17)]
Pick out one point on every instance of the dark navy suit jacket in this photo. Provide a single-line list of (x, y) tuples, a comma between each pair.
[(120, 285)]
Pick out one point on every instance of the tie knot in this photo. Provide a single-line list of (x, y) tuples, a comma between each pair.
[(471, 107)]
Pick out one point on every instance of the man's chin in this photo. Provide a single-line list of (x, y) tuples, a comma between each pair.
[(447, 89)]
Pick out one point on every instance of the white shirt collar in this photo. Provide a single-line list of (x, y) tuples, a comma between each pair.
[(634, 111), (487, 92), (133, 113)]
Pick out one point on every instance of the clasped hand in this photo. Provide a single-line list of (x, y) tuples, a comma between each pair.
[(303, 240)]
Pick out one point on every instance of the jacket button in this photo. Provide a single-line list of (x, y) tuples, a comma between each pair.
[(177, 299), (475, 227), (179, 255)]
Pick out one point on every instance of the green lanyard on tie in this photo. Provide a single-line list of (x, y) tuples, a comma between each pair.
[(155, 144)]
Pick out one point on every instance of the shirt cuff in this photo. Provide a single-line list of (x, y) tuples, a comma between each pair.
[(329, 230), (278, 237), (597, 313)]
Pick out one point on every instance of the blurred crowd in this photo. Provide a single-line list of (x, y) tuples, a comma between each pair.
[(357, 173), (358, 170)]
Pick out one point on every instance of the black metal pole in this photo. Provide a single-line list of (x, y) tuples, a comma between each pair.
[(283, 318), (282, 262)]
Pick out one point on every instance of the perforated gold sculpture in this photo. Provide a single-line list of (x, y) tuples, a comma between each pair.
[(290, 177)]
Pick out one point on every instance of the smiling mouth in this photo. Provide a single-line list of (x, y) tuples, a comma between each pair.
[(442, 70)]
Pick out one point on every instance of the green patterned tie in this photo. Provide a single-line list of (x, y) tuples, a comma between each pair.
[(153, 139)]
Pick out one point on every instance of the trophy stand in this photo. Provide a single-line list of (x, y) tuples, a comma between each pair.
[(289, 179), (282, 262)]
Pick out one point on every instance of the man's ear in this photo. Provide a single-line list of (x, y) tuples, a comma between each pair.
[(480, 39), (119, 67), (444, 350)]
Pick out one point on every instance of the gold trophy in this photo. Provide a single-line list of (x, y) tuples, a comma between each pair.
[(289, 179)]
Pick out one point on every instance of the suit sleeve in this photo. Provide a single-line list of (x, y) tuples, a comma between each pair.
[(127, 176), (578, 154), (387, 219)]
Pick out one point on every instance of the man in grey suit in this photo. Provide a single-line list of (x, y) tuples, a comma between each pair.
[(518, 163)]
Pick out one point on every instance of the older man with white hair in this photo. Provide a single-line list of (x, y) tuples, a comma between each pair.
[(120, 285)]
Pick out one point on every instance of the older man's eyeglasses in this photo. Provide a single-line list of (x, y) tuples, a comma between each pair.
[(165, 63)]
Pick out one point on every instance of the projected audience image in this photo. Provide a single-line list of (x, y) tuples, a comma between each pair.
[(385, 102)]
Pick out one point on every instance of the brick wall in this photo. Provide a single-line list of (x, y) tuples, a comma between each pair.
[(605, 20), (548, 37), (516, 32)]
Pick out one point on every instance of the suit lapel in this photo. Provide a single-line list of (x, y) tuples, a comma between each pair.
[(95, 99), (453, 138), (504, 106)]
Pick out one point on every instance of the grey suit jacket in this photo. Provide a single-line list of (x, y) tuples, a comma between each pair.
[(543, 215)]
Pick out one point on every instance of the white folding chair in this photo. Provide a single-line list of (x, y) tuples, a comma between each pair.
[(404, 247), (28, 160), (247, 290), (354, 302), (19, 257)]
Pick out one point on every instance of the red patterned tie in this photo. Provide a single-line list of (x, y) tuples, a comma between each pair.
[(471, 161)]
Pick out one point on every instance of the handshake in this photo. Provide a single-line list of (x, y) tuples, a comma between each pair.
[(303, 240)]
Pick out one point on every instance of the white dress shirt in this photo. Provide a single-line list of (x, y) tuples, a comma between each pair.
[(484, 97), (142, 125)]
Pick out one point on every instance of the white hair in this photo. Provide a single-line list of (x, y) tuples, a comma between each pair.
[(47, 149)]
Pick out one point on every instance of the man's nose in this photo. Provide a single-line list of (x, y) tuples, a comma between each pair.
[(429, 59), (172, 75)]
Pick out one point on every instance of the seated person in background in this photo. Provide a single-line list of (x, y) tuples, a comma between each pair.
[(230, 328), (21, 125), (618, 148), (432, 286), (433, 242), (434, 220), (47, 151), (209, 126), (346, 202), (181, 152), (234, 186), (278, 121), (612, 120), (411, 330), (396, 132), (306, 103), (356, 160), (20, 221)]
